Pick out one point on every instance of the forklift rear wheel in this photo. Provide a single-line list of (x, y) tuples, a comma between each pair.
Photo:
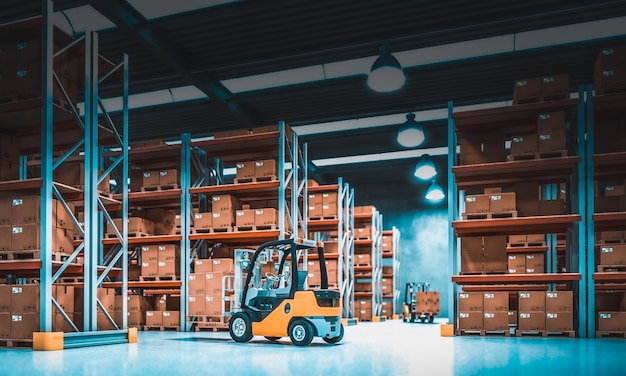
[(335, 339), (431, 319), (423, 319), (240, 327), (301, 332)]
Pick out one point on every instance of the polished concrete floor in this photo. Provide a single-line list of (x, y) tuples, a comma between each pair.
[(387, 348)]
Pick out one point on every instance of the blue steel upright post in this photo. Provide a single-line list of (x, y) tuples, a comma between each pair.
[(453, 203)]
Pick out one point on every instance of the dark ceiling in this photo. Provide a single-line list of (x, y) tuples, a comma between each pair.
[(247, 38)]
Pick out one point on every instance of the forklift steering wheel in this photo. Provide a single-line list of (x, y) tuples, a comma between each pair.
[(272, 277)]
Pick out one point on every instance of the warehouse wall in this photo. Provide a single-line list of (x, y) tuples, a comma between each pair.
[(424, 248)]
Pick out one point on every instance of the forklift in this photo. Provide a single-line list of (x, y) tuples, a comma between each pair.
[(416, 304), (275, 304)]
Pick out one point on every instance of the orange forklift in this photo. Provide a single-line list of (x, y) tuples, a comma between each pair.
[(276, 304), (420, 303)]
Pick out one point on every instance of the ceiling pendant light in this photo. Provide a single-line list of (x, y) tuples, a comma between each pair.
[(411, 134), (386, 74), (425, 168), (435, 192)]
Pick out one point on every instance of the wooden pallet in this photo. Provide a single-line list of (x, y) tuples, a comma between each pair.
[(545, 333), (156, 188), (489, 215), (600, 334), (611, 241), (221, 229), (159, 278), (20, 97), (541, 98), (24, 342), (611, 268), (482, 332), (537, 155), (255, 228), (255, 179), (485, 272), (28, 254), (610, 90), (526, 244), (130, 235), (324, 218), (161, 328), (331, 286)]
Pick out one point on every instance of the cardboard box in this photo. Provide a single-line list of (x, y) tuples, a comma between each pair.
[(527, 90), (149, 268), (536, 238), (151, 179), (9, 170), (213, 304), (611, 235), (614, 190), (614, 254), (471, 254), (517, 239), (555, 86), (476, 204), (25, 237), (266, 217), (154, 318), (135, 225), (5, 238), (329, 204), (606, 204), (472, 320), (169, 178), (225, 265), (5, 298), (59, 324), (551, 141), (551, 121), (168, 268), (26, 210), (196, 304), (244, 170), (527, 198), (532, 301), (6, 204), (502, 202), (149, 253), (516, 263), (244, 218), (203, 265), (535, 320), (496, 301), (25, 298), (559, 301), (535, 263), (265, 168), (225, 203), (523, 144), (494, 146), (23, 325), (559, 321), (611, 321), (470, 149), (470, 302), (223, 219), (496, 321), (168, 252), (203, 220)]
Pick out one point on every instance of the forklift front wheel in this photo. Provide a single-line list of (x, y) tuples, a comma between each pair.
[(240, 327), (301, 332)]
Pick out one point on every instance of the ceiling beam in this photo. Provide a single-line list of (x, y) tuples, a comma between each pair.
[(130, 21)]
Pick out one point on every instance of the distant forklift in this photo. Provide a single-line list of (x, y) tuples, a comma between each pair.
[(420, 303)]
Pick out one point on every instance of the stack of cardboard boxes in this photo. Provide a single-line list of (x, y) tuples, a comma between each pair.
[(166, 313), (544, 88), (20, 226), (160, 260), (206, 286), (160, 179), (323, 205), (610, 70), (20, 68), (314, 276), (256, 171), (527, 311), (609, 196)]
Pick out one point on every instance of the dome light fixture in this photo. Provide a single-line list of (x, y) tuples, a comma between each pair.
[(435, 192), (386, 74), (425, 169), (411, 133)]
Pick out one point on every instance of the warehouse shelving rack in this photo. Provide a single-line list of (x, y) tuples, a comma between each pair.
[(392, 259), (601, 164), (63, 128), (343, 225), (471, 177), (373, 246)]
